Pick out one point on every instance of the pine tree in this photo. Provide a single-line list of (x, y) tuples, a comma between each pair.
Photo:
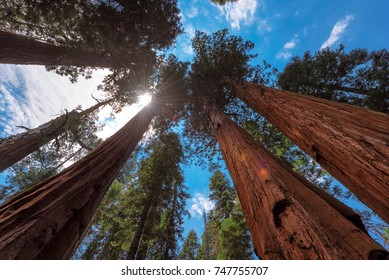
[(189, 247), (226, 228), (235, 240), (161, 179)]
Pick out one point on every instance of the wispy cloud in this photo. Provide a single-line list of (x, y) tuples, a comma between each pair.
[(199, 204), (183, 48), (192, 12), (337, 31), (285, 53), (31, 96), (264, 25), (292, 43), (241, 11)]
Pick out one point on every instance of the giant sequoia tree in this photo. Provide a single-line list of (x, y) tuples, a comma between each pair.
[(340, 137), (291, 203)]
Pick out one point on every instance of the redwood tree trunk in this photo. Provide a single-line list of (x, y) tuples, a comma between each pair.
[(46, 221), (23, 144), (18, 49), (351, 143), (286, 219), (131, 254)]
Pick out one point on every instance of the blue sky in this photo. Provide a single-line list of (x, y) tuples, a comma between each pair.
[(280, 29)]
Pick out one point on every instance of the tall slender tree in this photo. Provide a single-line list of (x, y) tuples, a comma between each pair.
[(226, 235), (22, 144), (189, 247), (161, 179)]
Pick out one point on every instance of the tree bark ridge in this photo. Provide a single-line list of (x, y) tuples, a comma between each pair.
[(350, 142)]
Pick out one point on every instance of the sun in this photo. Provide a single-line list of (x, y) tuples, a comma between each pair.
[(144, 99)]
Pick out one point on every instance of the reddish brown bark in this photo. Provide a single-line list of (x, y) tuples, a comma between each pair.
[(46, 221), (351, 143), (286, 219), (18, 49), (23, 144)]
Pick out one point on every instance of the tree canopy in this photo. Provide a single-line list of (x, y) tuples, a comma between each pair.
[(357, 77)]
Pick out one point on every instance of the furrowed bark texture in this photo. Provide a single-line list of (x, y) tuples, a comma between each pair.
[(351, 143), (286, 219), (18, 49), (46, 221), (25, 143)]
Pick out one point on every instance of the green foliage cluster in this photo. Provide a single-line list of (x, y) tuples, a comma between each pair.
[(126, 31), (190, 247), (226, 236), (358, 77)]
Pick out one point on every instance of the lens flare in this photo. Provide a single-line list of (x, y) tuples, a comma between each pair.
[(144, 99)]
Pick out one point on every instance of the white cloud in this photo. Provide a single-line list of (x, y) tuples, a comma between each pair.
[(264, 25), (283, 55), (190, 31), (241, 11), (292, 43), (193, 12), (199, 204), (337, 31), (31, 96), (285, 52)]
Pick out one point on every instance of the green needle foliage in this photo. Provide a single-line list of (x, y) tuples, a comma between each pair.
[(226, 236), (219, 59), (358, 77), (190, 247), (128, 31)]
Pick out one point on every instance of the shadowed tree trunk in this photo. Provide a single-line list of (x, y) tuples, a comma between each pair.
[(23, 144), (18, 49), (286, 219), (46, 221), (351, 143)]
